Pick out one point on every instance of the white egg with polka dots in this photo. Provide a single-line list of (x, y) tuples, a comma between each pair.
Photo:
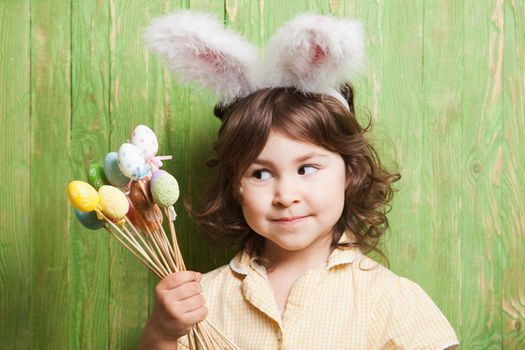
[(145, 140), (131, 162)]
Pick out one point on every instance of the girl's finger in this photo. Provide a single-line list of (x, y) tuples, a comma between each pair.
[(191, 304), (187, 290), (196, 315), (176, 279)]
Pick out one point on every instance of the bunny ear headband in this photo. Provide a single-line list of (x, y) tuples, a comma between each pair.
[(314, 54)]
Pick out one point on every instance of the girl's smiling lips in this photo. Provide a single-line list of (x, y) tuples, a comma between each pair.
[(289, 219)]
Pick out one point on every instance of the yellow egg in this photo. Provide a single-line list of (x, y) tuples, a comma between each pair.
[(113, 202), (82, 195)]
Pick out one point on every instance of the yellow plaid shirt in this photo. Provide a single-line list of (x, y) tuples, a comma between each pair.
[(352, 303)]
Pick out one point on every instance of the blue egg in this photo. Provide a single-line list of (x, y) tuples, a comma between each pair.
[(112, 171), (89, 219)]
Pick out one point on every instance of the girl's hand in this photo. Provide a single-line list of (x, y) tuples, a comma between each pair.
[(179, 304)]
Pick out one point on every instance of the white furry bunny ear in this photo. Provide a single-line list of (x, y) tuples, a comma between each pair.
[(315, 53), (199, 48)]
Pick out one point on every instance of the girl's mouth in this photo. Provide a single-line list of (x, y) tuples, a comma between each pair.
[(289, 220)]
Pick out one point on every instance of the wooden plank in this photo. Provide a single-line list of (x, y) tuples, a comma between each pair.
[(480, 226), (50, 312), (162, 115), (89, 144), (438, 243), (14, 188), (513, 197), (174, 138), (395, 134), (394, 32), (201, 127), (258, 20), (135, 98)]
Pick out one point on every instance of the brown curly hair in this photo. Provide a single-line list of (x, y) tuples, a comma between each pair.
[(313, 118)]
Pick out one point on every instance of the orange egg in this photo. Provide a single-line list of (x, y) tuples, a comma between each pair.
[(138, 197), (144, 220)]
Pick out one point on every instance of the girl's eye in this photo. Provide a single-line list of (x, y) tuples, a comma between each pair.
[(261, 174), (307, 169)]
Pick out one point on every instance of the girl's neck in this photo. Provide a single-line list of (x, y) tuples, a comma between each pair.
[(296, 261)]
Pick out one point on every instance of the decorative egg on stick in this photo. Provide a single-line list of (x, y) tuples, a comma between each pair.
[(83, 196), (131, 162), (145, 220), (165, 192), (96, 176), (89, 219), (140, 194), (112, 171), (114, 203), (146, 141)]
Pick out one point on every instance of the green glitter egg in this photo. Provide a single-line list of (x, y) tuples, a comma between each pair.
[(96, 176), (164, 188)]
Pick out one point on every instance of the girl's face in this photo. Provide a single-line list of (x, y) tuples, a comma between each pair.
[(293, 194)]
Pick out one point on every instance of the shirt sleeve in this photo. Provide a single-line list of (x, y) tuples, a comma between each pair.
[(405, 317)]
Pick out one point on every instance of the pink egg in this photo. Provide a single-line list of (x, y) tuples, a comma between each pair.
[(145, 140)]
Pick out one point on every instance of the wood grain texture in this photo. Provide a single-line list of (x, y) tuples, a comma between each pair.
[(443, 197), (131, 101), (90, 134), (15, 128), (513, 197), (443, 84), (202, 128), (50, 240), (481, 148)]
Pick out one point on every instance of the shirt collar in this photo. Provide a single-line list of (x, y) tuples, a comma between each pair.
[(242, 263)]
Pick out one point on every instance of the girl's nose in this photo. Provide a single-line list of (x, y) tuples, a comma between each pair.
[(286, 193)]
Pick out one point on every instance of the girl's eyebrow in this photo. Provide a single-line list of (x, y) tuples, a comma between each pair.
[(300, 159)]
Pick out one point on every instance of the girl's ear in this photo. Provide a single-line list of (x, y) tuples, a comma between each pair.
[(199, 48), (241, 201), (315, 53)]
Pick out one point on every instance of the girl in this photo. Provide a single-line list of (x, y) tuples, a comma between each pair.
[(303, 194)]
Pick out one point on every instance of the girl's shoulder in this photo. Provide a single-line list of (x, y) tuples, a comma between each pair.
[(403, 313)]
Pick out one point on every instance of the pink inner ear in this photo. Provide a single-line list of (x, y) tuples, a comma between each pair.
[(317, 55), (212, 59)]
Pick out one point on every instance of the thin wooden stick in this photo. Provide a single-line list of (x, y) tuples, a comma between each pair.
[(151, 267), (130, 235), (165, 249), (145, 193), (206, 335), (190, 339), (177, 254), (151, 237), (158, 245), (172, 228), (201, 342), (165, 238), (221, 334), (173, 233), (145, 243)]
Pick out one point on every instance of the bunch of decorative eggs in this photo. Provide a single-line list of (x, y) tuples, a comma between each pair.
[(130, 183)]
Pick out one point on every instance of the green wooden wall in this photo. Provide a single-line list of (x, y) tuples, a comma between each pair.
[(444, 83)]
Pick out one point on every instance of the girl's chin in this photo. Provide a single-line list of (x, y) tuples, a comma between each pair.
[(294, 244)]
